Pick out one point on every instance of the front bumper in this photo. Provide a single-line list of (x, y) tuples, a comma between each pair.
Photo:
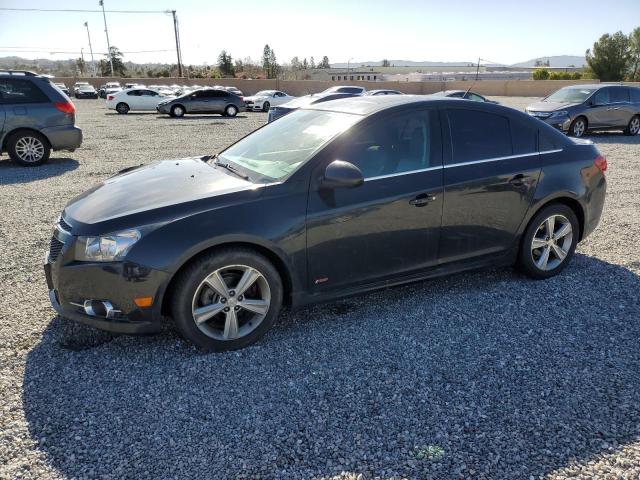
[(63, 137), (71, 283), (561, 123)]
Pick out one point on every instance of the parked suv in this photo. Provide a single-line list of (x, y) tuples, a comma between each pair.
[(35, 118), (579, 108)]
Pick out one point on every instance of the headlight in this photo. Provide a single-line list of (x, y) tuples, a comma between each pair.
[(106, 248), (560, 113)]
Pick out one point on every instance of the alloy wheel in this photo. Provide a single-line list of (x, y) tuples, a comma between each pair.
[(634, 127), (29, 149), (579, 128), (231, 302), (551, 242)]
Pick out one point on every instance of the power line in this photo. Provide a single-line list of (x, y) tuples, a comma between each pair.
[(78, 10)]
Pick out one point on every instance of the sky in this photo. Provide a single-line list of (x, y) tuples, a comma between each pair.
[(458, 30)]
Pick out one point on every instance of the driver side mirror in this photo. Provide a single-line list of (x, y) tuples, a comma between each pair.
[(342, 174)]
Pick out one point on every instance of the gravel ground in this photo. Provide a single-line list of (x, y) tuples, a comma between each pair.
[(480, 375)]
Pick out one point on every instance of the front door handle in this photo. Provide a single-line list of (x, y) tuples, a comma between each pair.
[(422, 199), (517, 180)]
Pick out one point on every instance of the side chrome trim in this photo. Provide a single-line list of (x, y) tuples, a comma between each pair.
[(496, 159), (461, 164), (399, 174)]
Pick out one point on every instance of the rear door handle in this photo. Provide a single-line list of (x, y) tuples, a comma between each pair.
[(517, 180), (422, 199)]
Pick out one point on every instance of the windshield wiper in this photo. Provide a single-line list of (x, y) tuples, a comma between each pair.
[(232, 169)]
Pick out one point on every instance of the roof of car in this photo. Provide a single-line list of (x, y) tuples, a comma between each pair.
[(365, 105)]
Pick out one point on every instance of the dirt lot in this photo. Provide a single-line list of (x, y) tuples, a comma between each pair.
[(480, 375)]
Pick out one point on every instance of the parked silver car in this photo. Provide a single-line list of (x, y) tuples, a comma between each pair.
[(206, 100), (579, 108)]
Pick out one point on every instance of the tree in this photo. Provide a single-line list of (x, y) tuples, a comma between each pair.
[(324, 63), (312, 63), (269, 63), (305, 64), (634, 44), (541, 74), (225, 64), (385, 63), (118, 65), (80, 64), (611, 57)]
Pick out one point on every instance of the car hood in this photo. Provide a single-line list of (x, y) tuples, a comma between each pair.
[(256, 97), (147, 194), (550, 106)]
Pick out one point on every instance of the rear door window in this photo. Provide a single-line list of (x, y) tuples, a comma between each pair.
[(634, 94), (477, 135), (20, 91), (619, 95)]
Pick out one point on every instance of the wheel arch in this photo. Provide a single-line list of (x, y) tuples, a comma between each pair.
[(278, 262), (567, 200), (10, 133)]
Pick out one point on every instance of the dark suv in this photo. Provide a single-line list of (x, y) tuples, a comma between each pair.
[(579, 108), (35, 118)]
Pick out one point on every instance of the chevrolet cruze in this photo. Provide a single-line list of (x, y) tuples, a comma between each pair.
[(331, 200)]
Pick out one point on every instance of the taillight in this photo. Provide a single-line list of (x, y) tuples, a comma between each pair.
[(65, 107), (601, 163), (109, 97)]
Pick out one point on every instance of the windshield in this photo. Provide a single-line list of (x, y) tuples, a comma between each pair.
[(570, 95), (264, 93), (280, 148)]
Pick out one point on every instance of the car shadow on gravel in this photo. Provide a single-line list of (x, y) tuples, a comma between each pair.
[(484, 374), (609, 137), (201, 117), (12, 173)]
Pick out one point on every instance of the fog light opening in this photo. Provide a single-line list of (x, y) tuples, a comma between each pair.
[(99, 308)]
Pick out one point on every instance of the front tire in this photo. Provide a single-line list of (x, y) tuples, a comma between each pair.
[(227, 300), (578, 127), (29, 149), (634, 126), (231, 111), (266, 106), (122, 108), (178, 111), (549, 242)]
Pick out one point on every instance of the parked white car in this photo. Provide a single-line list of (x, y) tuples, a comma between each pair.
[(112, 87), (265, 99), (135, 99)]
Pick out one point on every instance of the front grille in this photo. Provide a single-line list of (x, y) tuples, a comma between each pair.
[(55, 246), (64, 225)]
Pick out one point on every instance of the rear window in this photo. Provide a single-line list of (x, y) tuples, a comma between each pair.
[(16, 90), (477, 135)]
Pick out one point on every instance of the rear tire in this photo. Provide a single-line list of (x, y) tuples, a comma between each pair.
[(122, 108), (549, 241), (178, 111), (29, 149), (578, 127), (634, 126), (230, 316), (231, 111)]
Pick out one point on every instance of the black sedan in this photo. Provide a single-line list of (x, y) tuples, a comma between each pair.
[(465, 94), (85, 91), (331, 200), (206, 100)]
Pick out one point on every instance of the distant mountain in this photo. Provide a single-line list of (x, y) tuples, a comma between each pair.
[(404, 63), (557, 61)]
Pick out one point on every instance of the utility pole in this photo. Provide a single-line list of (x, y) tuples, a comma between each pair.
[(478, 68), (101, 3), (178, 53), (93, 65)]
